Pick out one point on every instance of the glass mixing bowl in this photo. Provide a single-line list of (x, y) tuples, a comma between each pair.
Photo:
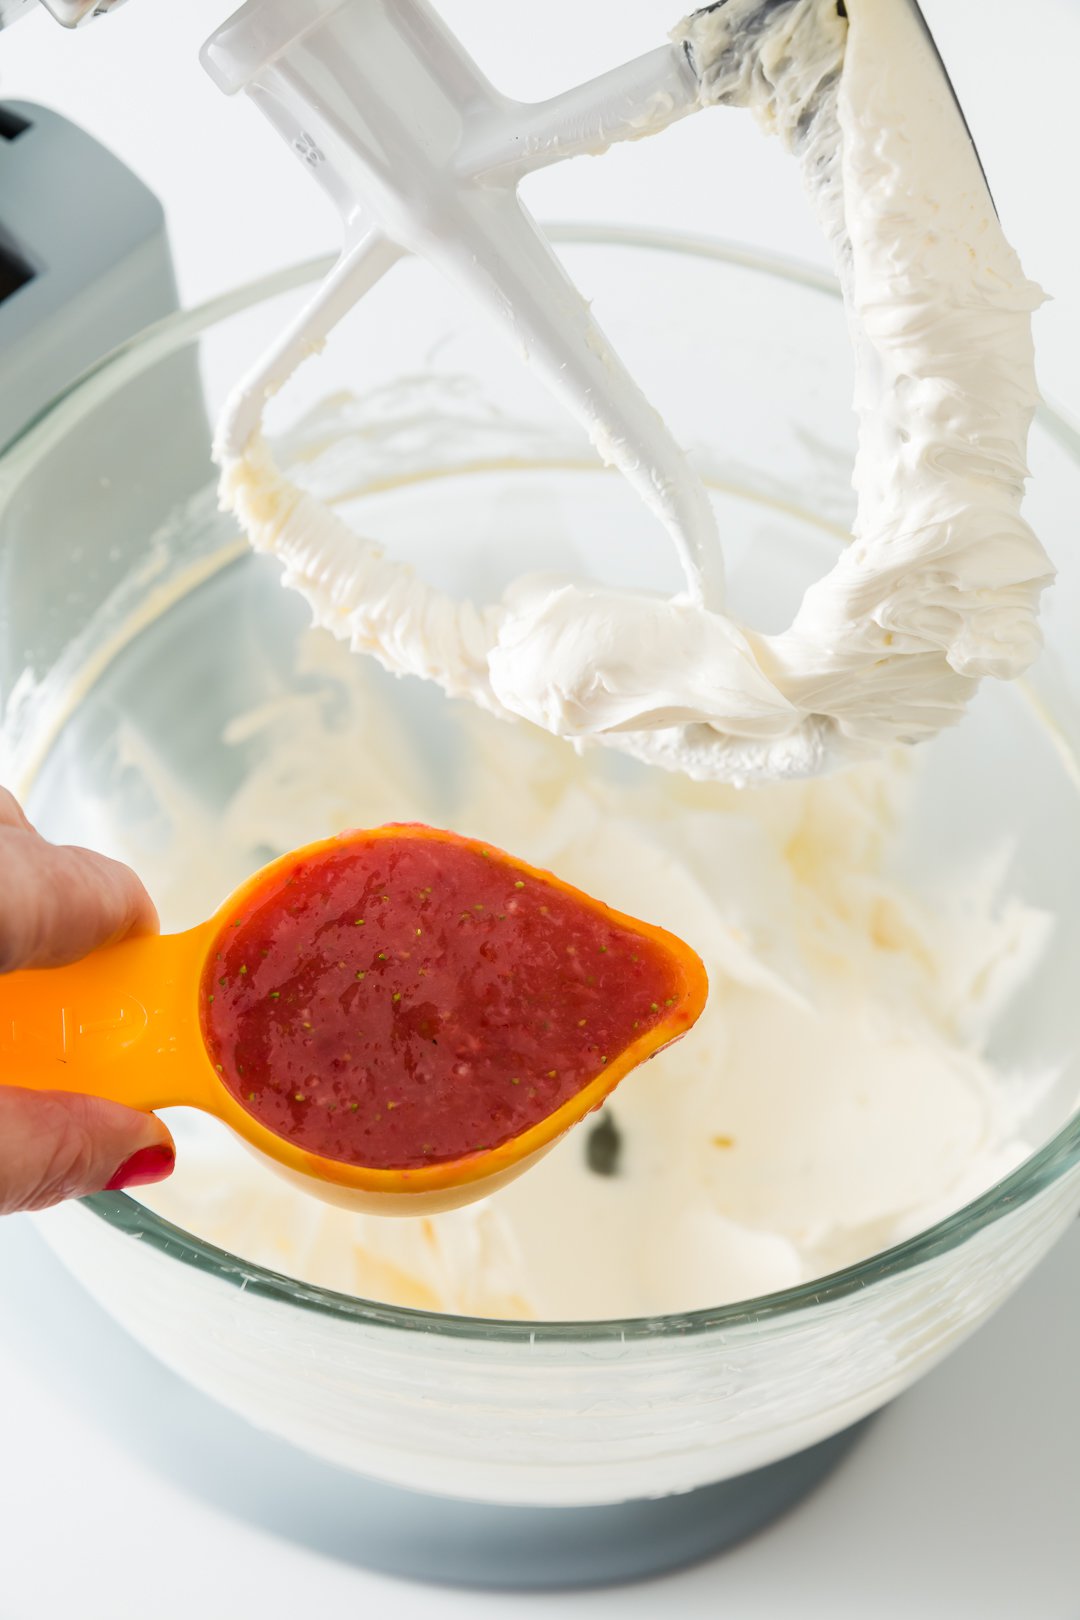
[(130, 606)]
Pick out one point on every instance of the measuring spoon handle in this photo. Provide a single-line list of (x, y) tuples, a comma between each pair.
[(122, 1023)]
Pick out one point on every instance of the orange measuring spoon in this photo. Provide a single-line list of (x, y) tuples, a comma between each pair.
[(400, 1018)]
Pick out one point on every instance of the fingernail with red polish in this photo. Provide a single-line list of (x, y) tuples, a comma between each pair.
[(147, 1165)]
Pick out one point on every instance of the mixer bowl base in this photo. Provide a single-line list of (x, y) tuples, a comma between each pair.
[(435, 1539), (219, 1458)]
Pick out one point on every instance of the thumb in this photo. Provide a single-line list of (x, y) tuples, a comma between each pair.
[(55, 1145)]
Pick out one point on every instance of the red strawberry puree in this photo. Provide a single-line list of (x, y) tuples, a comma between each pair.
[(403, 1001)]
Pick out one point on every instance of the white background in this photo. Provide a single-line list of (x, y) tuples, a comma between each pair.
[(964, 1500)]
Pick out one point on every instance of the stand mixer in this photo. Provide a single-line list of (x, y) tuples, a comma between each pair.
[(748, 1501)]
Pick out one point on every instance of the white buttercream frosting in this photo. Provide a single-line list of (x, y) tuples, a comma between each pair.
[(939, 586), (835, 1096)]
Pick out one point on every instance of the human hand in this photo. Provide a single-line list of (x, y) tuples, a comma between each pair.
[(56, 905)]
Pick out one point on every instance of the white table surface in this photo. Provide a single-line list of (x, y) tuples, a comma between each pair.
[(964, 1498)]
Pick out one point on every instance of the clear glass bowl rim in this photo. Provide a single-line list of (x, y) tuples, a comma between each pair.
[(1038, 1172)]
